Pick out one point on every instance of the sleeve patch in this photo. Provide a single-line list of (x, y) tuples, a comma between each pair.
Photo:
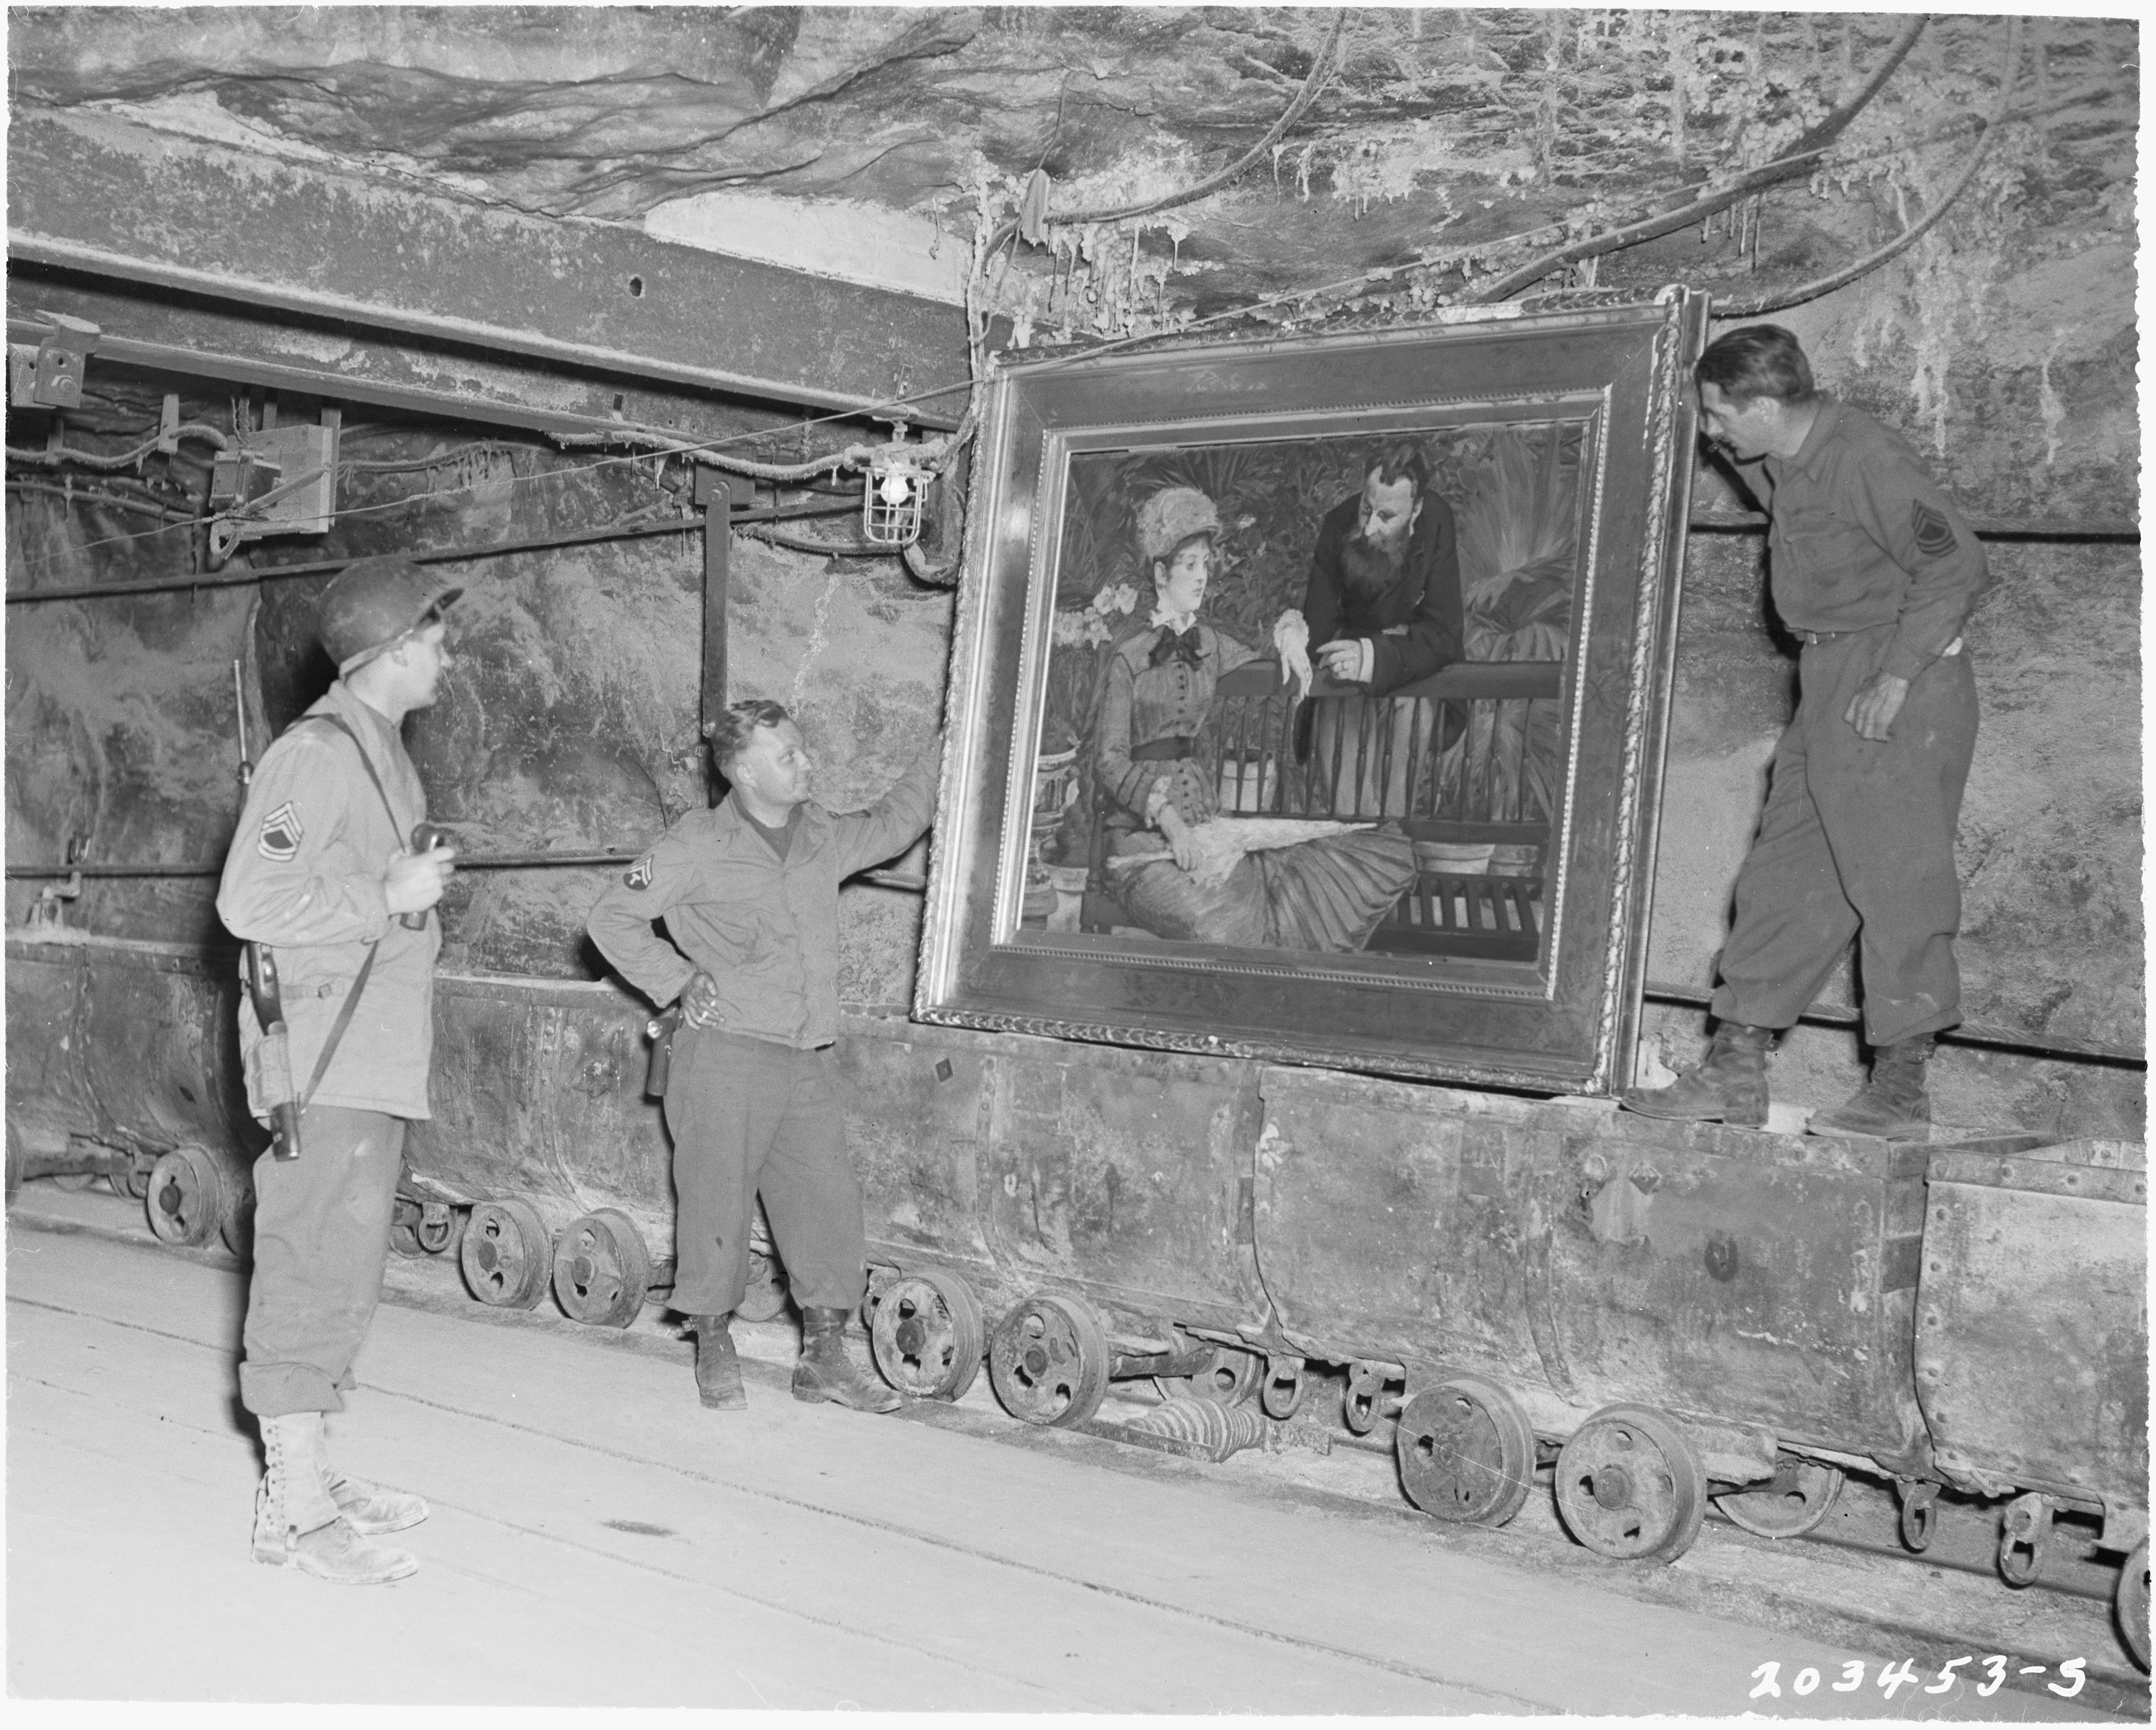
[(281, 834), (637, 875), (1935, 535)]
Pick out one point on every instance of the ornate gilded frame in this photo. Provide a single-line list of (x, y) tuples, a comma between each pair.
[(1563, 1023)]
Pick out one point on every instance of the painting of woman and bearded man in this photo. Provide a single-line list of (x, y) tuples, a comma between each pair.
[(1236, 745)]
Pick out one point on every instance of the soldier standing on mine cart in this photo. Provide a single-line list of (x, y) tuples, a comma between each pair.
[(1875, 569), (321, 886), (750, 894)]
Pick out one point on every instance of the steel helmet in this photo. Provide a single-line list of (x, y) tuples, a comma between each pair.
[(374, 603)]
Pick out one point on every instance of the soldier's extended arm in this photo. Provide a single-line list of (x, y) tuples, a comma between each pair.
[(893, 823)]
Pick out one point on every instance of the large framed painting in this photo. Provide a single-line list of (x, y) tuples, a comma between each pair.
[(1308, 696)]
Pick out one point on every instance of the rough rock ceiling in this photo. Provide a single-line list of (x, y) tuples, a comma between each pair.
[(1431, 130)]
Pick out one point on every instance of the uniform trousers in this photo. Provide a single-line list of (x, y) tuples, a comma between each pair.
[(750, 1116), (1857, 840), (321, 1238)]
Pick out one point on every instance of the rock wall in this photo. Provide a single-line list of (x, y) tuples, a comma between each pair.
[(2003, 345)]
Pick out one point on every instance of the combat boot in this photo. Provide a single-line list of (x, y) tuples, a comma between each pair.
[(718, 1367), (825, 1372), (374, 1508), (1730, 1087), (297, 1524), (1893, 1104)]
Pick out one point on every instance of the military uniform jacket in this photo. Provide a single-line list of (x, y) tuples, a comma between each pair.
[(1863, 536), (305, 877), (765, 929), (1417, 625)]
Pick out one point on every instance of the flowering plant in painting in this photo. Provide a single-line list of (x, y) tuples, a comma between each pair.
[(1080, 633)]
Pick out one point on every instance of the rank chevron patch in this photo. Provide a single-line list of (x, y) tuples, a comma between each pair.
[(638, 876), (281, 834), (1935, 535)]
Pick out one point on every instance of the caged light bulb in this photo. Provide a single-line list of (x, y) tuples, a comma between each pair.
[(896, 486)]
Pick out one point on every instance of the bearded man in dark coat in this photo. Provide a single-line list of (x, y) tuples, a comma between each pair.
[(1383, 607)]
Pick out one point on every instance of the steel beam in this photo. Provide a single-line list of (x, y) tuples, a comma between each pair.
[(163, 332), (92, 194)]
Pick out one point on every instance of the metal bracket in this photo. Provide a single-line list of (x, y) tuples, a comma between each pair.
[(1366, 1400), (1919, 1513), (48, 911), (56, 374), (2024, 1532), (1285, 1385), (1619, 1196), (22, 374), (2124, 1527), (249, 484)]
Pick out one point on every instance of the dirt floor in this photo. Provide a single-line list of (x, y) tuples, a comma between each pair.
[(599, 1540)]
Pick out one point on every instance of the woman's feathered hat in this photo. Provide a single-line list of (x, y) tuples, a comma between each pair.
[(1172, 516)]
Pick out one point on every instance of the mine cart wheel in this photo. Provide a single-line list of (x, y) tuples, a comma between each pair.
[(1049, 1360), (765, 1299), (602, 1270), (2132, 1603), (1800, 1495), (74, 1182), (186, 1198), (1630, 1486), (1465, 1451), (505, 1255), (1231, 1376), (927, 1334), (131, 1183)]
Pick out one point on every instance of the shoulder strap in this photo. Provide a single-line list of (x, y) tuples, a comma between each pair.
[(365, 762), (365, 966), (343, 1021)]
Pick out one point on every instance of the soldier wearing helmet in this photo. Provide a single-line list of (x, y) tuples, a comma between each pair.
[(320, 876)]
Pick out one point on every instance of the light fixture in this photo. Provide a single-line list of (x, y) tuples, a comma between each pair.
[(891, 493)]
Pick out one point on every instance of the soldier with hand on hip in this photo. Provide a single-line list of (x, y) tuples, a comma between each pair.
[(332, 902), (749, 893), (1874, 567)]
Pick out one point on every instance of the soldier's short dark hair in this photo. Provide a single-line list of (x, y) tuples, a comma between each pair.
[(736, 724), (1403, 457), (1758, 361)]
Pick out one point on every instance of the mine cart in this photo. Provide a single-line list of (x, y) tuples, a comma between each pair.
[(1078, 1212), (123, 1058), (2032, 1345), (1684, 1309)]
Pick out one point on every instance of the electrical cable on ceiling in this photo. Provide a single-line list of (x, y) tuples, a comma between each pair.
[(809, 543), (1361, 281), (627, 528), (1312, 81), (127, 460), (1776, 301), (1707, 202), (89, 495), (710, 450), (672, 447), (392, 466)]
